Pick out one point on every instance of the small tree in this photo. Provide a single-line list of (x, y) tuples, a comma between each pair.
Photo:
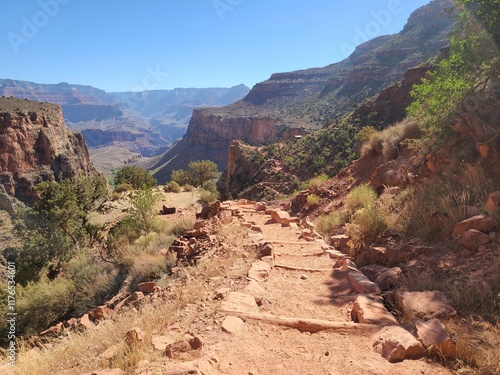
[(135, 176), (143, 208), (198, 173)]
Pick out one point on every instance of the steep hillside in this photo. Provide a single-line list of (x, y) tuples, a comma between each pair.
[(35, 146), (305, 99)]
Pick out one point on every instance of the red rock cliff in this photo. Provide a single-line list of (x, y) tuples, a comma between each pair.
[(35, 146)]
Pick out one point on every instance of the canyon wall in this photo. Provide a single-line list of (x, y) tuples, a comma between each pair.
[(35, 146)]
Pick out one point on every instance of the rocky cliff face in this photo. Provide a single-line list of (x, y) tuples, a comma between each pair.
[(305, 99), (210, 133), (35, 146)]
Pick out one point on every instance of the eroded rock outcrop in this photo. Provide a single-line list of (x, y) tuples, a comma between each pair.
[(36, 146)]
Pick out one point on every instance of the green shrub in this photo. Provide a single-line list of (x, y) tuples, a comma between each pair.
[(188, 188), (326, 223), (362, 196), (313, 200), (42, 303), (172, 187), (116, 196), (197, 174), (366, 225), (123, 187), (208, 197)]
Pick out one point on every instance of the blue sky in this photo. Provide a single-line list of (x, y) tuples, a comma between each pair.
[(131, 45)]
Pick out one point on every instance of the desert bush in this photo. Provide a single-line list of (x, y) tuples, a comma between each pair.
[(313, 200), (172, 187), (40, 304), (326, 223), (182, 225), (361, 197), (366, 225), (123, 187), (208, 197), (389, 140), (316, 182), (187, 187), (436, 206), (116, 196)]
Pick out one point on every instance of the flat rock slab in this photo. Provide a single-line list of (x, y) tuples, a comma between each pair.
[(279, 215), (239, 302), (433, 336), (425, 305), (161, 342), (259, 270), (369, 309), (397, 344), (361, 284), (474, 239)]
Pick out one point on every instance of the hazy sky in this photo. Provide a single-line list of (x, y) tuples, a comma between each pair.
[(130, 45)]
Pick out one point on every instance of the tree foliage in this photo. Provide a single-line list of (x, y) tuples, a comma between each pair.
[(135, 176), (198, 173), (459, 80), (143, 210), (57, 225)]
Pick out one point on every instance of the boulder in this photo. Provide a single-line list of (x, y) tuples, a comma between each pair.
[(493, 201), (266, 249), (361, 284), (396, 344), (424, 305), (370, 309), (473, 239), (147, 287), (278, 215), (101, 312), (347, 265), (481, 223), (433, 336)]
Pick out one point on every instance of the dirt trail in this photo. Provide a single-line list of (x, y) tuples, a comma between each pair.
[(261, 348)]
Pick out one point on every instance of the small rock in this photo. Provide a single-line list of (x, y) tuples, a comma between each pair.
[(303, 277), (232, 325)]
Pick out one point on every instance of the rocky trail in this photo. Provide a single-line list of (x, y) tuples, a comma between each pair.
[(268, 296), (293, 314)]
